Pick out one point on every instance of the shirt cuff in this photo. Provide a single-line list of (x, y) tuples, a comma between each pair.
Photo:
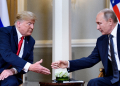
[(26, 67), (68, 64), (15, 70)]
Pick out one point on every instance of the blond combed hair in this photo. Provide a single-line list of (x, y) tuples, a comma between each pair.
[(25, 15)]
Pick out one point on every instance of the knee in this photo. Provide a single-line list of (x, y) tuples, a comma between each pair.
[(92, 82), (10, 81), (14, 83)]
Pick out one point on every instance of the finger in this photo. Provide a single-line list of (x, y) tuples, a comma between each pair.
[(39, 62), (45, 69), (0, 77), (4, 76), (45, 72), (55, 63), (55, 67)]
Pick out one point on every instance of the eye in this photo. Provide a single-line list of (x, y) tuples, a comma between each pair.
[(99, 23), (29, 23)]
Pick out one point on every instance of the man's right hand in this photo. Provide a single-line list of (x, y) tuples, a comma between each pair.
[(36, 67), (59, 64)]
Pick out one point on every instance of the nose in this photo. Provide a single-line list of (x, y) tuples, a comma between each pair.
[(32, 26), (98, 27)]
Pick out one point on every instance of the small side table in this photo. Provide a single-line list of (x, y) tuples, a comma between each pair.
[(61, 84)]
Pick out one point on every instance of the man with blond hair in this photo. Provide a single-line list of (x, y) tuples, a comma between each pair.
[(16, 50)]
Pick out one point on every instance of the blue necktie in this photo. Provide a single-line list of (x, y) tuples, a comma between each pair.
[(114, 64)]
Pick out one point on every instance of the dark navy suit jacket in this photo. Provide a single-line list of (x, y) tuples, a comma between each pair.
[(8, 50), (100, 53)]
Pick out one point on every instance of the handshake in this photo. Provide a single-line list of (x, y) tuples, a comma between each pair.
[(36, 67)]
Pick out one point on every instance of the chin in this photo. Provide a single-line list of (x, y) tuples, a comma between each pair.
[(103, 34), (28, 35)]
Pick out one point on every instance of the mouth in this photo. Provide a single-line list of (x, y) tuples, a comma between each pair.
[(31, 31), (101, 31)]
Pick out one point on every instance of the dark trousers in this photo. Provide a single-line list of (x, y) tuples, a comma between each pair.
[(10, 81), (102, 81)]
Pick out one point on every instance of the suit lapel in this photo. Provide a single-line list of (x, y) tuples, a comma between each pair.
[(15, 36), (25, 47), (14, 40), (118, 40), (105, 51)]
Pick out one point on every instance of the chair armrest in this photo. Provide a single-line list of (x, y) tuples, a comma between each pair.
[(102, 72)]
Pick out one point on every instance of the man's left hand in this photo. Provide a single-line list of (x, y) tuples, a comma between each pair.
[(6, 73)]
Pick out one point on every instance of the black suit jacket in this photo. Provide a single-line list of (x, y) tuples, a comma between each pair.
[(100, 53), (8, 49)]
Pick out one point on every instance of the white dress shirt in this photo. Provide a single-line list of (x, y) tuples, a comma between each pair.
[(114, 33)]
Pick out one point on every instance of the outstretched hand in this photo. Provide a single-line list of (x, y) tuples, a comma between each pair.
[(59, 64), (36, 67)]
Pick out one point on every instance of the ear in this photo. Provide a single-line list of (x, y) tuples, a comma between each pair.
[(18, 23), (110, 21)]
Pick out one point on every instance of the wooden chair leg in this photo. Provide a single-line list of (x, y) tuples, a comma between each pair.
[(22, 79)]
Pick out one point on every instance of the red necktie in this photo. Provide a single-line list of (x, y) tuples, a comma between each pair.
[(19, 45)]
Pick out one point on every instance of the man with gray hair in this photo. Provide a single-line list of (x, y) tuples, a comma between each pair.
[(16, 50), (107, 50)]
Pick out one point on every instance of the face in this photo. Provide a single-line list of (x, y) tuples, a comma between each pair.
[(25, 27), (102, 25)]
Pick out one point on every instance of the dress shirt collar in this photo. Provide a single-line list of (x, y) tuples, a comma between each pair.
[(19, 35), (114, 32)]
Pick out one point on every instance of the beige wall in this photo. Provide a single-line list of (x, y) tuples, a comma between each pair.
[(43, 11), (42, 31), (83, 26)]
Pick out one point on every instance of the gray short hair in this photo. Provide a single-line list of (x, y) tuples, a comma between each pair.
[(25, 15), (108, 13)]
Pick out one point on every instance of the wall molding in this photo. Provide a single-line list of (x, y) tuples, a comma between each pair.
[(21, 5), (74, 43), (83, 42)]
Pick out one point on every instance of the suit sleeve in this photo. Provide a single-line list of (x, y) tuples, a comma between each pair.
[(6, 52), (30, 53), (85, 62), (29, 56)]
